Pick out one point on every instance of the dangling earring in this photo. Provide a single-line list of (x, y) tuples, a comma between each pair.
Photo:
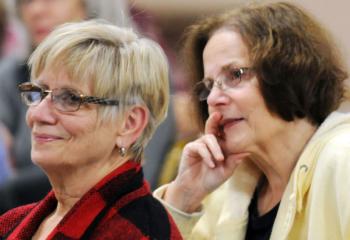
[(122, 151)]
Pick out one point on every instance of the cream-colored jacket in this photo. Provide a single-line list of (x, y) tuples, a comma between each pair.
[(315, 204)]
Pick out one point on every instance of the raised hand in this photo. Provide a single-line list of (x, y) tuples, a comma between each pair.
[(203, 168)]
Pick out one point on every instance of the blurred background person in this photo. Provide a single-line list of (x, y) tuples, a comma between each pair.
[(93, 84), (3, 23), (5, 139), (9, 44), (165, 138), (5, 169), (180, 123), (40, 17)]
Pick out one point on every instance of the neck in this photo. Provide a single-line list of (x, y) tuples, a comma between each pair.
[(277, 158), (71, 183)]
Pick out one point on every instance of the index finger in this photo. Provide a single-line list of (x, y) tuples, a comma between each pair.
[(212, 125)]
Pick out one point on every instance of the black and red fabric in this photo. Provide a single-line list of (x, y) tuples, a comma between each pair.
[(120, 206)]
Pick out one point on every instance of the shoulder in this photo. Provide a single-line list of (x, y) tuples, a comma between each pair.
[(142, 215), (150, 216), (331, 179), (332, 137), (337, 147), (333, 163), (13, 217), (334, 156)]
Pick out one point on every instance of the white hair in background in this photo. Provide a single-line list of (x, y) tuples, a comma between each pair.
[(114, 11)]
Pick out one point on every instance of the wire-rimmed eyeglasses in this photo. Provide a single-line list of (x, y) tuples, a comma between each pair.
[(228, 79), (63, 99)]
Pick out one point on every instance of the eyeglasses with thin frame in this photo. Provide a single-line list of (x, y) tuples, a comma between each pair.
[(230, 78), (63, 99)]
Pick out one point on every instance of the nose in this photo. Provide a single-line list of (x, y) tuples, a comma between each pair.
[(217, 95), (43, 113)]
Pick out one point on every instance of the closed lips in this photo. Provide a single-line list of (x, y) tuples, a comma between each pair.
[(228, 122), (45, 136)]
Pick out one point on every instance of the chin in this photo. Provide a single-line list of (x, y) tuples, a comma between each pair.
[(236, 145), (41, 158)]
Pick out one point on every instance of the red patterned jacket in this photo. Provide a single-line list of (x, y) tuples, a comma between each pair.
[(120, 206)]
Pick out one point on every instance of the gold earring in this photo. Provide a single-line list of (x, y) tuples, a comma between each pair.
[(122, 151)]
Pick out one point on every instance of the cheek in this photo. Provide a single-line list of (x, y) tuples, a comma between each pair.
[(79, 128), (256, 114), (86, 125), (29, 119), (253, 104)]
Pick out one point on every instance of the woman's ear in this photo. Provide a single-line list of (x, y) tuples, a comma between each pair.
[(132, 126)]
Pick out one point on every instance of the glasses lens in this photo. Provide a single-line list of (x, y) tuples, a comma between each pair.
[(31, 98), (202, 90), (66, 100), (233, 77)]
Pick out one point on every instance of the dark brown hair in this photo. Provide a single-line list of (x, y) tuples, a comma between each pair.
[(299, 69)]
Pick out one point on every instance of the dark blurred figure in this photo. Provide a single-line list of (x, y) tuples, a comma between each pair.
[(3, 23), (4, 167), (180, 124), (5, 170), (165, 135)]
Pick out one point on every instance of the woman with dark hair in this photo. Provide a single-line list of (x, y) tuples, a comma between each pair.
[(274, 158)]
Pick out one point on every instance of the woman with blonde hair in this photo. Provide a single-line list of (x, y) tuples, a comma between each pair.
[(39, 18), (96, 95)]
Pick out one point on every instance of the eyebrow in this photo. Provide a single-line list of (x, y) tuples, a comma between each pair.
[(38, 84), (233, 64), (46, 87)]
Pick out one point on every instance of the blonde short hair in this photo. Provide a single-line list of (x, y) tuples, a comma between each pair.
[(116, 63)]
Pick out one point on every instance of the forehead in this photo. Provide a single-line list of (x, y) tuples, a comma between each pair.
[(225, 48), (59, 78)]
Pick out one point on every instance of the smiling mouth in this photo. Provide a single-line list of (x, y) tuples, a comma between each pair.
[(45, 138)]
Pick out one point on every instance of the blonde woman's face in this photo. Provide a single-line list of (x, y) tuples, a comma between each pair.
[(41, 16), (62, 140)]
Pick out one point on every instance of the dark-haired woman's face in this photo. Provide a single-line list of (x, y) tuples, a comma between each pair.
[(246, 121)]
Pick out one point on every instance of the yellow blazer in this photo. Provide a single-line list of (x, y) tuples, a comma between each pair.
[(315, 204)]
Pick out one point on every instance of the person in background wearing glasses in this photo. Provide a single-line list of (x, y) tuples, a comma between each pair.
[(274, 158), (96, 95)]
